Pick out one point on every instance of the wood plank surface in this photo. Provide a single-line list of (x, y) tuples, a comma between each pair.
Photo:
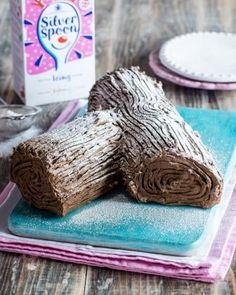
[(126, 31)]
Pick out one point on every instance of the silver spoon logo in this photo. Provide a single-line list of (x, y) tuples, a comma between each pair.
[(58, 30)]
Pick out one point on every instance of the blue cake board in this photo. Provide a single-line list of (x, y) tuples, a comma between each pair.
[(117, 221)]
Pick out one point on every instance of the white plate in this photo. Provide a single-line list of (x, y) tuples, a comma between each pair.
[(202, 56)]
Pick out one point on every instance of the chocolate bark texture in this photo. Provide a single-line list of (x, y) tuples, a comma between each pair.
[(133, 133), (162, 159), (70, 166)]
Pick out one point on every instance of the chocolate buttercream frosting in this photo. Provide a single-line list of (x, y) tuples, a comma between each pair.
[(68, 167), (163, 160), (132, 133)]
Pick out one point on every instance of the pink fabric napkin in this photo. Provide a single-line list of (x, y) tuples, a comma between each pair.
[(207, 268), (212, 269)]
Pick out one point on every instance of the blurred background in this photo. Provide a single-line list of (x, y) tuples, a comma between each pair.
[(126, 32)]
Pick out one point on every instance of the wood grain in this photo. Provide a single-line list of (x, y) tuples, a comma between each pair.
[(126, 31)]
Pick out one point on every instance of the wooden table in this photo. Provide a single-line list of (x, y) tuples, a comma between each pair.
[(126, 32)]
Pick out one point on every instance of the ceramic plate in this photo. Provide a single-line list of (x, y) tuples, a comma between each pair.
[(202, 56), (162, 72)]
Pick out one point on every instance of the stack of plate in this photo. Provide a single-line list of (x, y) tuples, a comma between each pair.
[(198, 60)]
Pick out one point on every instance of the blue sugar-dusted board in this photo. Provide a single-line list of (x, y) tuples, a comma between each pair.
[(114, 220)]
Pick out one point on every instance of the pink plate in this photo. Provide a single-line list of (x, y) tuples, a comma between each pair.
[(162, 72)]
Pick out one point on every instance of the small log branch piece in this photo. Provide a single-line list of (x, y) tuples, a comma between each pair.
[(163, 159), (68, 167)]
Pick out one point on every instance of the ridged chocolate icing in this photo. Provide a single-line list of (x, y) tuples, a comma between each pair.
[(70, 166), (132, 134), (163, 159)]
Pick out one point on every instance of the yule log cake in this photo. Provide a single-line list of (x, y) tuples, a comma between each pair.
[(132, 134)]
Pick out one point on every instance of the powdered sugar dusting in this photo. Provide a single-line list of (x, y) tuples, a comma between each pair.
[(117, 220)]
